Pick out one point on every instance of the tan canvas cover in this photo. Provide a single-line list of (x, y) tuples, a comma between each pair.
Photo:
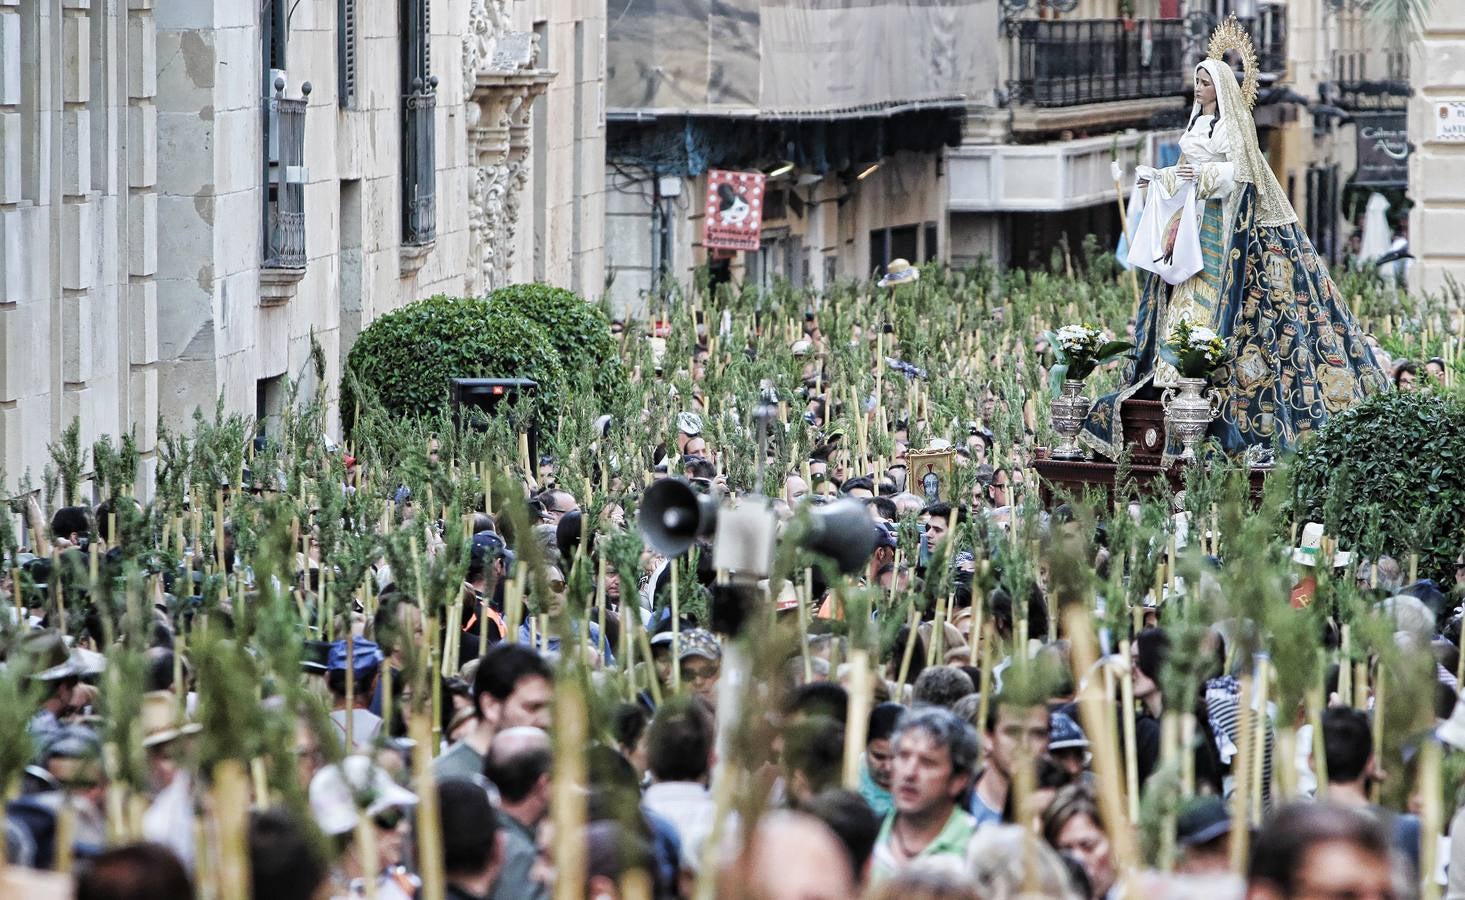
[(799, 57)]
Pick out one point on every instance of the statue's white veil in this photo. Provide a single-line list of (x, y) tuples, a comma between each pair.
[(1272, 206)]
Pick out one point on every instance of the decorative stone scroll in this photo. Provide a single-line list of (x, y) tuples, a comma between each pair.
[(500, 70)]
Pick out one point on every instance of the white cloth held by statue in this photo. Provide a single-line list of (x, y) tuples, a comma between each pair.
[(1167, 241)]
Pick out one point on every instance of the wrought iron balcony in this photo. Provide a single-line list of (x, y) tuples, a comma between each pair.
[(285, 177), (1066, 63), (1270, 29), (419, 164)]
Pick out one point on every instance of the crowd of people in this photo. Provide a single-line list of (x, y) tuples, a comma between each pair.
[(926, 725)]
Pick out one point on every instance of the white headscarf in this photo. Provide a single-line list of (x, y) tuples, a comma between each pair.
[(1273, 207)]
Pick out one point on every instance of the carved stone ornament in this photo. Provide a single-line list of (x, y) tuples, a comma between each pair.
[(499, 70)]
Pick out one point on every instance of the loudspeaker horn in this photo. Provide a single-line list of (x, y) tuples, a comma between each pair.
[(844, 532), (673, 516)]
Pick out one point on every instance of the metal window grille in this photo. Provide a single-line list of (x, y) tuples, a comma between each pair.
[(419, 143), (1270, 29), (346, 52), (419, 172), (285, 183), (1066, 63)]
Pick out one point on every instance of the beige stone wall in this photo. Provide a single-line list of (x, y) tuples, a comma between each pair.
[(219, 336), (78, 212), (1437, 223), (561, 231), (131, 201)]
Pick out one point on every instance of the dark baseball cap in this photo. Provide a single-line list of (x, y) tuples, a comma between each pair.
[(489, 545), (1202, 820), (885, 535)]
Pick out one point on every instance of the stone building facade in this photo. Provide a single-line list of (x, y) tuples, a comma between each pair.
[(1437, 72), (191, 190)]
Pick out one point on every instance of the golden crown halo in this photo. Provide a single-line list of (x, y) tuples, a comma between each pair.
[(1229, 35)]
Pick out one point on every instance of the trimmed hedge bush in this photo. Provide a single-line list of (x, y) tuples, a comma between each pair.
[(578, 330), (1389, 474), (408, 357)]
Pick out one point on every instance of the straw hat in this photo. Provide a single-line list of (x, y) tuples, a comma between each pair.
[(899, 271), (160, 720), (1312, 546)]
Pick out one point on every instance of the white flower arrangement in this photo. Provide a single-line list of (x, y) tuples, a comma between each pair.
[(1195, 350), (1079, 349)]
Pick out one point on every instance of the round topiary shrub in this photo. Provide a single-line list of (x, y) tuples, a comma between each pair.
[(579, 331), (408, 357), (1389, 476)]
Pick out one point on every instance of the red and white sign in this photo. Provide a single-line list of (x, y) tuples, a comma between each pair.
[(734, 210)]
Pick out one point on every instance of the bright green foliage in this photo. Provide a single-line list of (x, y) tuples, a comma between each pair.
[(407, 358), (1388, 476), (579, 331)]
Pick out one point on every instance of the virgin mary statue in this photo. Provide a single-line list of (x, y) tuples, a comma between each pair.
[(1295, 352)]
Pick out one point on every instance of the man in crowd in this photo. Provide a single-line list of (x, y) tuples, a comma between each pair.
[(935, 753), (1353, 769), (942, 686), (1203, 832), (364, 661), (1320, 850), (680, 743), (554, 504), (1016, 734), (284, 863), (519, 764), (700, 663), (47, 662), (939, 518), (511, 687)]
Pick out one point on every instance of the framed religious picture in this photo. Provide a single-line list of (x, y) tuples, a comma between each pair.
[(931, 473)]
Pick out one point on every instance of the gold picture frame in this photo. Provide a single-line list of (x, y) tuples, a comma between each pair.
[(930, 474)]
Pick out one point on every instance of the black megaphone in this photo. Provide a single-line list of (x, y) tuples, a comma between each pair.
[(844, 531), (673, 516)]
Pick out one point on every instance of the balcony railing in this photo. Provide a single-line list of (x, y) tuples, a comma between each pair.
[(285, 176), (419, 164), (1066, 63), (1270, 28)]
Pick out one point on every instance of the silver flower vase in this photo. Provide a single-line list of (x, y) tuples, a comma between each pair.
[(1190, 412), (1069, 409)]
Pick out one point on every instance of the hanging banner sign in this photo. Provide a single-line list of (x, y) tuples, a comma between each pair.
[(1383, 150), (733, 217), (1449, 121)]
